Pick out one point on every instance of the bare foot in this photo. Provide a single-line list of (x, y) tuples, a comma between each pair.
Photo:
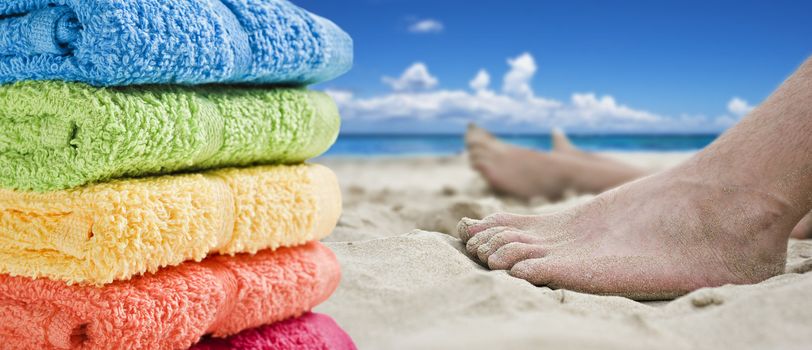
[(514, 170), (526, 173), (561, 143), (655, 238), (803, 230)]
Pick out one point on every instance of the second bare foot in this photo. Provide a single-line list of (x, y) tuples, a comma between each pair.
[(525, 173)]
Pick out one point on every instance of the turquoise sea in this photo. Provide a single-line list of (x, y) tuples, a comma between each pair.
[(422, 144)]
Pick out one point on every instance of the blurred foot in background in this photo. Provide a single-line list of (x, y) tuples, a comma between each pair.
[(525, 173)]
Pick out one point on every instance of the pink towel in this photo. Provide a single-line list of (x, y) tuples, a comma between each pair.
[(170, 309), (309, 332)]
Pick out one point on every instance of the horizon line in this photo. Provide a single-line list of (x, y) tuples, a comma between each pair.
[(510, 134)]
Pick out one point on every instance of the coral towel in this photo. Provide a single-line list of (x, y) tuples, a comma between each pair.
[(126, 42), (308, 332), (171, 309), (56, 135), (116, 230)]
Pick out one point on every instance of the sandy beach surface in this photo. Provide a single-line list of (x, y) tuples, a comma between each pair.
[(407, 283)]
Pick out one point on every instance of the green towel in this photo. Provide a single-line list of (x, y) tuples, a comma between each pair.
[(57, 135)]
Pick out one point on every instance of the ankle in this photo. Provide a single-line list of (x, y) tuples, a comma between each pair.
[(728, 177), (743, 208)]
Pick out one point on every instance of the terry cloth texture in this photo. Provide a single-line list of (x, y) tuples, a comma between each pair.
[(171, 309), (56, 135), (308, 332), (188, 42), (113, 231)]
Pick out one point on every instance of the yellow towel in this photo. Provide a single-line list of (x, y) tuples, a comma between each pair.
[(113, 231)]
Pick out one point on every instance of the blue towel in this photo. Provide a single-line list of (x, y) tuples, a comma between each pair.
[(188, 42)]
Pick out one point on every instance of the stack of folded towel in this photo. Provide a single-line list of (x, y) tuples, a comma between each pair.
[(153, 193)]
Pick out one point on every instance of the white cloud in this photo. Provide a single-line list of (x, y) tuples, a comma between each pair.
[(739, 107), (591, 108), (416, 77), (481, 81), (341, 97), (517, 79), (516, 106), (446, 104), (427, 26)]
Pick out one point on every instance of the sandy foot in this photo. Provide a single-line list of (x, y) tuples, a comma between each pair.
[(659, 237)]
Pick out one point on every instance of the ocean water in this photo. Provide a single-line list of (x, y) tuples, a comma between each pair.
[(406, 145)]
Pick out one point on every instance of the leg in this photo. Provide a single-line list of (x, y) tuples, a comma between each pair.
[(527, 173), (722, 217), (562, 144)]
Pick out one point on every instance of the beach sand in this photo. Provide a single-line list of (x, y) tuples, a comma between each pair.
[(407, 283)]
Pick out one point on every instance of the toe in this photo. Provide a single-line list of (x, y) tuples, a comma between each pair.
[(481, 238), (463, 229), (512, 253), (499, 240), (535, 271), (475, 134), (468, 228)]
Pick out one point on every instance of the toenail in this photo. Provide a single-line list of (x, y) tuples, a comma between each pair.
[(492, 262)]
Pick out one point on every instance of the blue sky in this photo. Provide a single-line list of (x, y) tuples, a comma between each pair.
[(586, 66)]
